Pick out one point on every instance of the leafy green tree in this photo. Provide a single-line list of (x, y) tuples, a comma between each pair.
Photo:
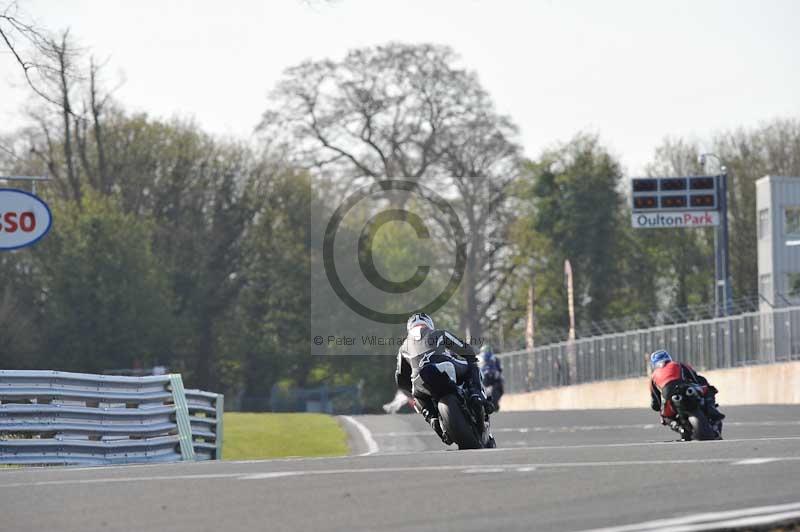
[(271, 333), (105, 299), (20, 337), (577, 205)]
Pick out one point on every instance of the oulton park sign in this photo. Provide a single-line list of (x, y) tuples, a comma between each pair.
[(671, 220)]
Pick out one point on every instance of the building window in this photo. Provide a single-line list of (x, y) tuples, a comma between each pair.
[(793, 283), (763, 223), (764, 286), (792, 221)]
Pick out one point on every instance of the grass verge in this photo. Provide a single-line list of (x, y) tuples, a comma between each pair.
[(255, 436)]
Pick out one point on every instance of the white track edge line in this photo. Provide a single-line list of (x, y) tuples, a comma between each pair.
[(756, 520), (700, 519), (366, 435)]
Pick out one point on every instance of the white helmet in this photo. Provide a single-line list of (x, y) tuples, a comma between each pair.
[(419, 318)]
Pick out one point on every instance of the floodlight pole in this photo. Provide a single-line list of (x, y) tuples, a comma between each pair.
[(723, 229), (723, 292)]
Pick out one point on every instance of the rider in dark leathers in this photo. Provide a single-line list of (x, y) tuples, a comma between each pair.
[(427, 370)]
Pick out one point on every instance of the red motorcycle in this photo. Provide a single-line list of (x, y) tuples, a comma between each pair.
[(685, 405)]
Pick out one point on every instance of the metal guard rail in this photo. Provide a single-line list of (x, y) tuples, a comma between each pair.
[(53, 417), (769, 336)]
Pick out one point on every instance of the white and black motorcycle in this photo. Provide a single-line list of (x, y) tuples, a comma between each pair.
[(466, 424)]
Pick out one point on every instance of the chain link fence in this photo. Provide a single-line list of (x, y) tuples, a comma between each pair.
[(751, 338)]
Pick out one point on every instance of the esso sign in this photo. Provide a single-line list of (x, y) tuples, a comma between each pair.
[(24, 218)]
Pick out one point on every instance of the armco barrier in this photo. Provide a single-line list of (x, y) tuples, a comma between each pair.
[(53, 417), (205, 417)]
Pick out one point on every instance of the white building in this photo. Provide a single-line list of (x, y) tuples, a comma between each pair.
[(778, 216)]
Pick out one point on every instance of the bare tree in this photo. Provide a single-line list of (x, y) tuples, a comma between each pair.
[(408, 111), (380, 112), (773, 148), (71, 141), (26, 42), (49, 64), (482, 162)]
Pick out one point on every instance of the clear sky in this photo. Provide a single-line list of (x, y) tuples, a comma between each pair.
[(633, 71)]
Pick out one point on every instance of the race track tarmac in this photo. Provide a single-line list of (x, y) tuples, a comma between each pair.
[(559, 471)]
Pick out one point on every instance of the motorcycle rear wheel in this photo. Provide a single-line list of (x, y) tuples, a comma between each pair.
[(455, 423), (701, 428)]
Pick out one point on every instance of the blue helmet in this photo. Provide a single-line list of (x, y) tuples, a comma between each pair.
[(659, 358)]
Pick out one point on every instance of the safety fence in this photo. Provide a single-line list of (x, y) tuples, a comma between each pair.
[(53, 417), (751, 338), (325, 398)]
